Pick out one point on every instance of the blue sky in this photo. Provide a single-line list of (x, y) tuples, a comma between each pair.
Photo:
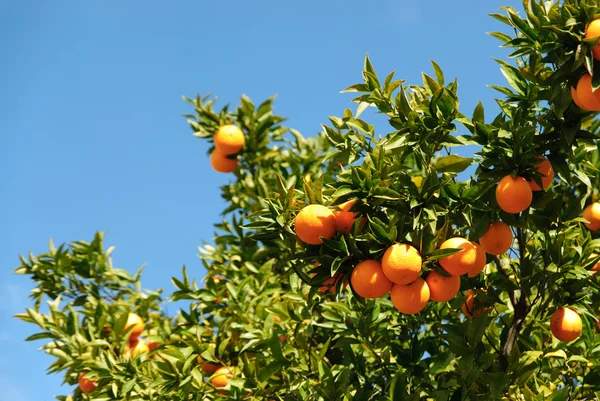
[(91, 133)]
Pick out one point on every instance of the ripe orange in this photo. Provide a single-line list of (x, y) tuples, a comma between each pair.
[(86, 385), (410, 298), (468, 306), (229, 139), (331, 283), (593, 31), (135, 347), (576, 99), (480, 262), (588, 99), (207, 367), (221, 377), (442, 289), (401, 263), (152, 345), (344, 218), (369, 281), (596, 267), (592, 214), (544, 167), (497, 239), (283, 338), (136, 324), (565, 324), (315, 221), (464, 261), (221, 163), (513, 194)]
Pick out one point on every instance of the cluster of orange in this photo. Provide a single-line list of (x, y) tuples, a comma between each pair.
[(221, 374), (400, 268), (228, 141), (135, 346), (583, 95)]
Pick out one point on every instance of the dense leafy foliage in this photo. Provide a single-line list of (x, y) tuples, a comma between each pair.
[(262, 309)]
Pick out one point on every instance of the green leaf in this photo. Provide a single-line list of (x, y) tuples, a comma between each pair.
[(398, 387), (452, 164)]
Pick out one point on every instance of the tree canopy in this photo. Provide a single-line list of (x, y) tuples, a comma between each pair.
[(492, 278)]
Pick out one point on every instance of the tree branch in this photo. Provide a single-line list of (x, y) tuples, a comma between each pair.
[(520, 312)]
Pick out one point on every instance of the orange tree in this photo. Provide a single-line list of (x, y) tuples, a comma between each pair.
[(356, 265)]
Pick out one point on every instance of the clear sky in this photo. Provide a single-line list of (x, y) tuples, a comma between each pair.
[(91, 133)]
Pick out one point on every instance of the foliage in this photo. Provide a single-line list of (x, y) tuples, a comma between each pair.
[(261, 309)]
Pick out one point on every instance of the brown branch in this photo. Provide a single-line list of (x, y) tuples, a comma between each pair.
[(520, 313)]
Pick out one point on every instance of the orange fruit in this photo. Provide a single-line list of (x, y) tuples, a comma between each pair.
[(544, 167), (136, 324), (468, 306), (410, 298), (315, 221), (565, 324), (464, 261), (283, 338), (344, 218), (480, 262), (596, 267), (152, 345), (135, 347), (331, 283), (86, 385), (513, 194), (497, 239), (593, 31), (576, 99), (221, 377), (221, 163), (369, 281), (229, 139), (588, 99), (442, 289), (401, 263), (207, 367), (592, 214)]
